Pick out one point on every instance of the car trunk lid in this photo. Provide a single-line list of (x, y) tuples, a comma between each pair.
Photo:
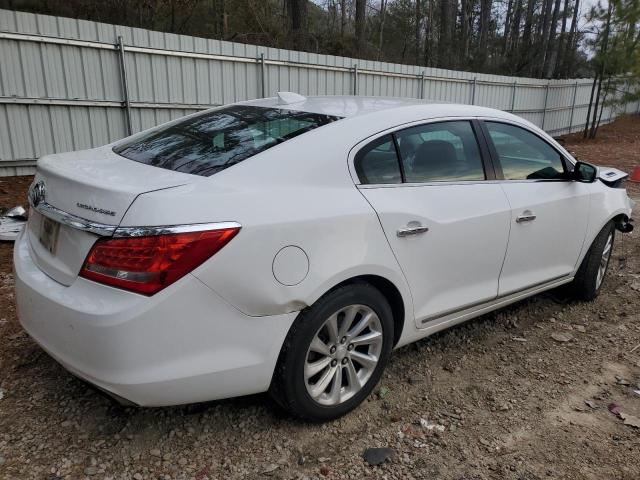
[(96, 186)]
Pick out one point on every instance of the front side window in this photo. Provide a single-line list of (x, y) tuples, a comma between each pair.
[(212, 141), (440, 152), (523, 155)]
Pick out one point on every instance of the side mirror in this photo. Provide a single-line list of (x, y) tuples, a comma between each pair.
[(584, 172)]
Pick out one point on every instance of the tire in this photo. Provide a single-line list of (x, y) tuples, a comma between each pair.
[(593, 269), (299, 383)]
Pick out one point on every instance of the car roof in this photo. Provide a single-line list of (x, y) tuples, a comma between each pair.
[(386, 112), (349, 106)]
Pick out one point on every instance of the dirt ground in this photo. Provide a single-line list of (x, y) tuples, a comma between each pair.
[(513, 402)]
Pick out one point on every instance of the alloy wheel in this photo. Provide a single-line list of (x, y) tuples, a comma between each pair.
[(604, 261), (343, 354)]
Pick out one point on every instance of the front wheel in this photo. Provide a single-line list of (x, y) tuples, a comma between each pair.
[(592, 271), (334, 353)]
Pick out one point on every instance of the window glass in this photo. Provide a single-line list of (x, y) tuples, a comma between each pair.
[(378, 163), (440, 152), (212, 141), (523, 155)]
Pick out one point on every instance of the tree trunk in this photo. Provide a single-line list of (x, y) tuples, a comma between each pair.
[(561, 41), (527, 37), (297, 13), (592, 132), (464, 31), (361, 6), (528, 22), (603, 65), (485, 18), (383, 13), (569, 52), (593, 89), (418, 20), (546, 27), (429, 34), (507, 27), (343, 17), (444, 42), (552, 40), (453, 37), (172, 17), (331, 18), (515, 29)]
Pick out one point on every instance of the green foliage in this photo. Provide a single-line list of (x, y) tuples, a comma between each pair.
[(616, 59)]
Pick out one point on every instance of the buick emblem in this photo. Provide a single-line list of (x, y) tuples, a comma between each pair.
[(37, 194)]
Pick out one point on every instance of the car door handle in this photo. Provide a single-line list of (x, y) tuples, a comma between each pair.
[(528, 217), (405, 232)]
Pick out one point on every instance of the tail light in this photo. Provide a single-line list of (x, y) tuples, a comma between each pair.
[(147, 264)]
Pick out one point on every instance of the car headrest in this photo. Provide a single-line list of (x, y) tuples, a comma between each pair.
[(435, 157)]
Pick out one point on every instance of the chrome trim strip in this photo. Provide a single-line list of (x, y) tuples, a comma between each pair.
[(106, 230), (73, 221), (364, 186), (125, 232), (453, 317)]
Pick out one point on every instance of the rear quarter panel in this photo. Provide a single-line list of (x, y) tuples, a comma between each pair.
[(298, 193)]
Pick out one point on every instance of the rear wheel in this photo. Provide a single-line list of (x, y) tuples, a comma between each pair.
[(594, 266), (334, 354)]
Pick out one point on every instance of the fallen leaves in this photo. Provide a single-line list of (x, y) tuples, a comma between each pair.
[(615, 408)]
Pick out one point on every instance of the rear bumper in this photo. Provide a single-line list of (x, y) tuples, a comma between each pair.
[(183, 345)]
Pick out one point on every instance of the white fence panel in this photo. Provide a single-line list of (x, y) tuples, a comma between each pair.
[(62, 84)]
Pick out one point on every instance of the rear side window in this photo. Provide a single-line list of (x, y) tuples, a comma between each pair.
[(212, 141), (440, 152), (378, 163), (523, 155), (434, 152)]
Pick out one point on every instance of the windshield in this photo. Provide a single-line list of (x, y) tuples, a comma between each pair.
[(212, 141)]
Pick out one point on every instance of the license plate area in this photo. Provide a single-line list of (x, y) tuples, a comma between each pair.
[(48, 235)]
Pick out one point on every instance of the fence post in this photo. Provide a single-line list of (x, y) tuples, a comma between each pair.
[(125, 88), (573, 105), (422, 85), (355, 79), (544, 109), (473, 90), (262, 78), (513, 96)]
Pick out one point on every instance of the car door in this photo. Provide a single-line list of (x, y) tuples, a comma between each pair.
[(549, 210), (446, 224)]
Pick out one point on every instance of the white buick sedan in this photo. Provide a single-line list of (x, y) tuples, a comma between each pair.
[(290, 244)]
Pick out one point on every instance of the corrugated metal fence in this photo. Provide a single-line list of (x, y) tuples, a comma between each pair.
[(69, 84)]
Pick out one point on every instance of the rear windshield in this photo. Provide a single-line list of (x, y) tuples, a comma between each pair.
[(212, 141)]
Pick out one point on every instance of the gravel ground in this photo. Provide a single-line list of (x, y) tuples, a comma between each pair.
[(519, 394)]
